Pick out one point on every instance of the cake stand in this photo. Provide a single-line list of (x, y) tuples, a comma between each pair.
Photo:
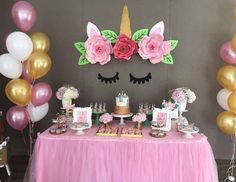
[(79, 131), (97, 114), (122, 116), (147, 122), (188, 134), (79, 128)]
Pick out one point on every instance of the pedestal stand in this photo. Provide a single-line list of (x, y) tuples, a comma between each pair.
[(97, 114), (122, 116), (147, 122)]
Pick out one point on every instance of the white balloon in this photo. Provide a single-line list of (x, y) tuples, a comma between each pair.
[(37, 113), (19, 45), (10, 67), (222, 98)]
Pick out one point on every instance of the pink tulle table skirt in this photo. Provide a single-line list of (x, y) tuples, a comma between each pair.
[(90, 158)]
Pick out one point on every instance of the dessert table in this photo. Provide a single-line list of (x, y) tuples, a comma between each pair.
[(91, 158)]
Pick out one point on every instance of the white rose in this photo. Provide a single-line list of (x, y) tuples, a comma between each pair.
[(191, 97)]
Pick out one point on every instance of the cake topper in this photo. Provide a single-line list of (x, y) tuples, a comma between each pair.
[(150, 45)]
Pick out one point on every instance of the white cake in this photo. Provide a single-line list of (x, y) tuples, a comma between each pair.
[(122, 104)]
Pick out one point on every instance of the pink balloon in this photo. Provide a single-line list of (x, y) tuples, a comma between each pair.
[(24, 15), (17, 117), (227, 53), (41, 93), (25, 73)]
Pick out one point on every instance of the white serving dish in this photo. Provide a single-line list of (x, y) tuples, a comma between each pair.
[(189, 134)]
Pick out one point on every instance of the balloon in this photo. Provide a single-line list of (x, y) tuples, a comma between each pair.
[(227, 53), (17, 117), (39, 64), (233, 43), (18, 91), (226, 121), (25, 73), (232, 102), (222, 98), (19, 45), (5, 40), (40, 41), (226, 77), (41, 93), (10, 67), (37, 113), (24, 15)]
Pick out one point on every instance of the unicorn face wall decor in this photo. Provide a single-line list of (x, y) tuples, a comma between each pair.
[(100, 46)]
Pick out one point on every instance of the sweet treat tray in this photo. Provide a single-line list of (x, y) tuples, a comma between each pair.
[(107, 134), (131, 135), (114, 132), (107, 131), (131, 132), (57, 131)]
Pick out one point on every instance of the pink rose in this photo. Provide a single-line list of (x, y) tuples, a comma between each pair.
[(139, 117), (178, 96), (153, 48), (106, 118), (98, 50), (124, 48)]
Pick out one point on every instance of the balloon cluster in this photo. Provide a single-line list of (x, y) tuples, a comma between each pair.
[(26, 61), (226, 97)]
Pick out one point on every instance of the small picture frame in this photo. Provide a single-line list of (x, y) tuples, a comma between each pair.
[(83, 115), (162, 117)]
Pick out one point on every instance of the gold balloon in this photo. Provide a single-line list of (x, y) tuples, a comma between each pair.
[(226, 77), (40, 41), (232, 102), (233, 43), (226, 121), (235, 12), (39, 63), (18, 91)]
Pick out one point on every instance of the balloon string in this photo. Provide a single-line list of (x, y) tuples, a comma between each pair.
[(230, 170), (31, 137), (24, 140)]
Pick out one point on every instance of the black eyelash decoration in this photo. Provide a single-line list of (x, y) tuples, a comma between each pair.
[(108, 80), (140, 80)]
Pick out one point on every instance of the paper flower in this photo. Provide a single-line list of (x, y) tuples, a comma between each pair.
[(154, 48), (98, 50), (67, 91), (139, 117), (106, 118), (183, 94), (191, 97), (124, 48), (178, 96), (169, 105)]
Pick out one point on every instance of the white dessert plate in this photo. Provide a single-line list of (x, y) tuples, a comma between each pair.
[(188, 133)]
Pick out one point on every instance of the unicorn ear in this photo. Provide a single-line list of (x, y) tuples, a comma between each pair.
[(158, 28), (92, 30)]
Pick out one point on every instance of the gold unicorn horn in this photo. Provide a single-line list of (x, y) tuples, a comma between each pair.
[(125, 22)]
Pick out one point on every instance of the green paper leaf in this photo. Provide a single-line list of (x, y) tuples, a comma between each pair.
[(83, 60), (173, 44), (168, 59), (139, 34), (109, 35), (80, 47)]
